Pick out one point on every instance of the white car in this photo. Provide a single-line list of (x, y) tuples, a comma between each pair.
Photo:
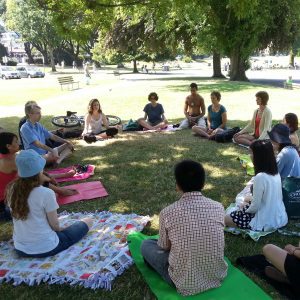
[(7, 72), (30, 71)]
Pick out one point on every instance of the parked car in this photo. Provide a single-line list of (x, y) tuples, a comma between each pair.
[(7, 72), (30, 71)]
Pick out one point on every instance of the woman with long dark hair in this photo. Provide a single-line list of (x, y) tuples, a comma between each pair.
[(37, 232), (264, 209)]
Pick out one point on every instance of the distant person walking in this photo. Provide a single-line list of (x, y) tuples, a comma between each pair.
[(87, 73)]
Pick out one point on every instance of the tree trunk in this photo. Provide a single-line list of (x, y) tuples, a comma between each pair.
[(135, 70), (28, 52), (52, 62), (217, 66), (292, 58), (237, 67)]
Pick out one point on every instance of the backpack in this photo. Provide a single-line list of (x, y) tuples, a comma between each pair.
[(132, 126), (291, 196), (226, 135)]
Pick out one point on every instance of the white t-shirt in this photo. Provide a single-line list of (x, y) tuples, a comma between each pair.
[(34, 235)]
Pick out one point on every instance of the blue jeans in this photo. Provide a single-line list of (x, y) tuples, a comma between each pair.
[(67, 238), (157, 258), (4, 212)]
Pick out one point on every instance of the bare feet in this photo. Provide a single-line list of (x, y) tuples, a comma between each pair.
[(71, 173), (68, 192)]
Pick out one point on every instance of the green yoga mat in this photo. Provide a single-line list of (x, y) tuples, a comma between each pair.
[(247, 164), (235, 286)]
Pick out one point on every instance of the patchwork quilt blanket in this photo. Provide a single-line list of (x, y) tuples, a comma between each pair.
[(94, 262)]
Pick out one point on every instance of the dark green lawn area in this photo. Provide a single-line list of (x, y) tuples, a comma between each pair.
[(137, 169)]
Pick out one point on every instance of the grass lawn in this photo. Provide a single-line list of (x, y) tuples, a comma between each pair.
[(137, 169)]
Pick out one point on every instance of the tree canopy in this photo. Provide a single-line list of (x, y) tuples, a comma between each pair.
[(139, 28)]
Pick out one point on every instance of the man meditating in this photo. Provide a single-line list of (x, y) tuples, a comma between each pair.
[(194, 109), (190, 251), (34, 137)]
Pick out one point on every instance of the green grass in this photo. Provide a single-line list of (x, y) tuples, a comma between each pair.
[(137, 169)]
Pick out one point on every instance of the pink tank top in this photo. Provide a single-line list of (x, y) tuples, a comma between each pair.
[(5, 179)]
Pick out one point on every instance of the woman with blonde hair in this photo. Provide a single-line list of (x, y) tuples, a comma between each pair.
[(95, 119), (37, 232)]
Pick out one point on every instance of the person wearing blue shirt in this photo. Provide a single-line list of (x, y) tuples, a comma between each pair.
[(154, 118), (288, 160), (34, 137), (216, 118)]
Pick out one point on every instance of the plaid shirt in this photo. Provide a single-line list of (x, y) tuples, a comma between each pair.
[(193, 230)]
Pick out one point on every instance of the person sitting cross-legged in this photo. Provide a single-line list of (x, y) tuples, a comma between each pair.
[(96, 126), (154, 114), (194, 109), (264, 209), (189, 253), (285, 264), (216, 118), (9, 147), (34, 136), (37, 232), (261, 122)]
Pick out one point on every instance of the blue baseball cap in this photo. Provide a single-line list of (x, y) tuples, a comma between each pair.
[(29, 163)]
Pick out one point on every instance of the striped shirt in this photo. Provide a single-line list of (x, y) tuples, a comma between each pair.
[(193, 230)]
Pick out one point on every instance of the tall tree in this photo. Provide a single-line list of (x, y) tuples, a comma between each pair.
[(35, 25)]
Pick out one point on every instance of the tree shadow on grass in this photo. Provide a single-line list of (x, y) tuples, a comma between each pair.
[(137, 171)]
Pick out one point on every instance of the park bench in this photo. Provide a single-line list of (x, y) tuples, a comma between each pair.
[(291, 86), (67, 80), (117, 73)]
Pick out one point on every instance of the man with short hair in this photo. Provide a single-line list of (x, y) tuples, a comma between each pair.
[(190, 251), (194, 109), (34, 137)]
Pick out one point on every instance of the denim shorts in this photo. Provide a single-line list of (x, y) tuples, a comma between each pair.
[(67, 238)]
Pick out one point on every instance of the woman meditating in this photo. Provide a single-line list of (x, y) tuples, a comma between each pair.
[(95, 119), (261, 122), (216, 118), (9, 146), (264, 209), (154, 118), (37, 232), (288, 160), (291, 121)]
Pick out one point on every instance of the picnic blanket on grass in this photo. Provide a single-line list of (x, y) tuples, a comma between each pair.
[(93, 262), (247, 164), (235, 286), (86, 191), (79, 175)]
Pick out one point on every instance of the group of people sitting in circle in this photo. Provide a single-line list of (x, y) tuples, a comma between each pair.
[(190, 251)]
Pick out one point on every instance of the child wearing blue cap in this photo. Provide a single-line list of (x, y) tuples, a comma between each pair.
[(34, 211)]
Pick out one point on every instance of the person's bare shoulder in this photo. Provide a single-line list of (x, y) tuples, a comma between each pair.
[(199, 97)]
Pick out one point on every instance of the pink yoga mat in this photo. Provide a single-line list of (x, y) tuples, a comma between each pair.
[(77, 176), (87, 191)]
